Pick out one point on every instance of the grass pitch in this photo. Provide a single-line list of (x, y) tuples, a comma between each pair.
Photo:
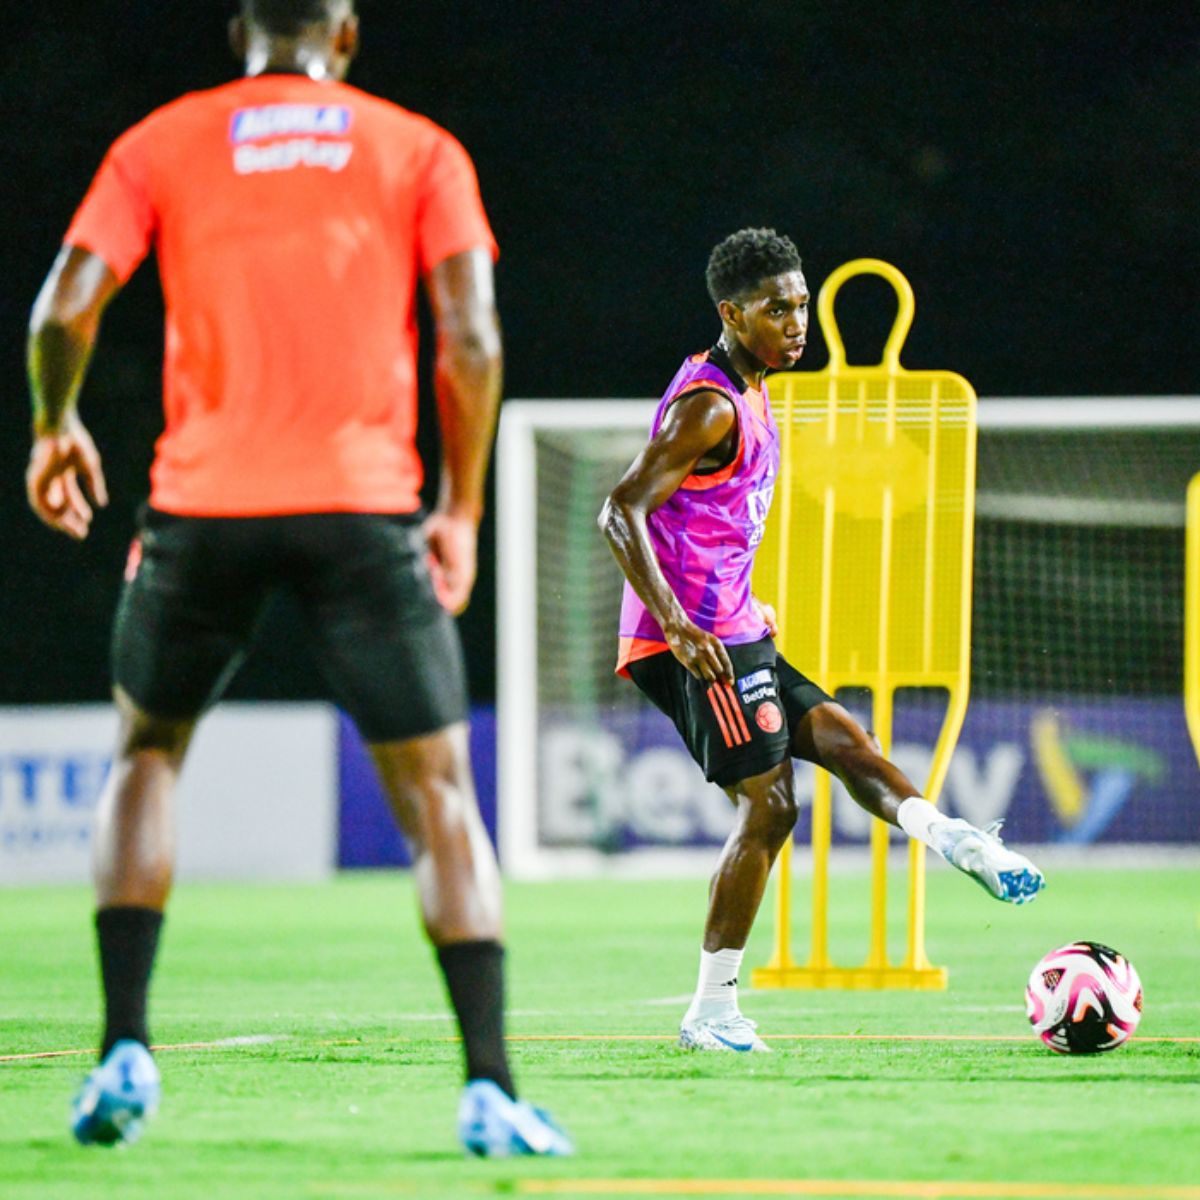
[(348, 1087)]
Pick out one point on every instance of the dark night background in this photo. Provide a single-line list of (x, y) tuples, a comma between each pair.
[(1033, 169)]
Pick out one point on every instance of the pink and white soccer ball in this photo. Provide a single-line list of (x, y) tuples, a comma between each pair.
[(1084, 998)]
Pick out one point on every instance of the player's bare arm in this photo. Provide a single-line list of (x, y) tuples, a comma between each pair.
[(699, 430), (769, 617), (467, 377), (63, 328)]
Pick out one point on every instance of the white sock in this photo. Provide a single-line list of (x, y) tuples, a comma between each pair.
[(915, 816), (716, 989)]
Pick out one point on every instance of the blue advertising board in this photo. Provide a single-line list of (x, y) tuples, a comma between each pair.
[(1076, 772)]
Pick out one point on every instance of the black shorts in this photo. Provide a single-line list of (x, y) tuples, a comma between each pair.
[(734, 731), (196, 587)]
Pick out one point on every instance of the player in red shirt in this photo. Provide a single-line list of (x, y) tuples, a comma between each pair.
[(292, 217)]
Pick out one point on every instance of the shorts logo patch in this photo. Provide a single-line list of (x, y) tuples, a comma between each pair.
[(754, 680), (768, 717)]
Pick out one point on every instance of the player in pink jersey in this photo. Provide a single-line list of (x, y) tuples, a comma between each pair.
[(684, 524)]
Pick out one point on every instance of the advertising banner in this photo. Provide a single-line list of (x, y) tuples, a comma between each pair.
[(1073, 773), (287, 791), (257, 799)]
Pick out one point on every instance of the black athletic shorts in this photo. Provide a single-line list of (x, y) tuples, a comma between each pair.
[(196, 588), (734, 731)]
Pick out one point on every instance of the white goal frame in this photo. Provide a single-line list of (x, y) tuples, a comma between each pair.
[(521, 854)]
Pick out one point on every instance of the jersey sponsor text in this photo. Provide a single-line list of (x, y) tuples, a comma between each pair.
[(295, 152), (280, 120), (754, 679)]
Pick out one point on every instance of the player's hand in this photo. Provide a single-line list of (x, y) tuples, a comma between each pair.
[(767, 612), (700, 652), (452, 539), (61, 466)]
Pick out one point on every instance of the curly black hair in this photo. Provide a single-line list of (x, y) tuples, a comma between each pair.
[(744, 259), (289, 17)]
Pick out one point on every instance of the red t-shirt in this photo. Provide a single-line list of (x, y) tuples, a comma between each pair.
[(292, 219)]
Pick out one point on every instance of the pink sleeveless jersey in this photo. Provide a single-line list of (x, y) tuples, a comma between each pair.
[(706, 534)]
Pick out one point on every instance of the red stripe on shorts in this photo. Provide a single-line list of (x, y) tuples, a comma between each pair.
[(713, 693), (736, 708)]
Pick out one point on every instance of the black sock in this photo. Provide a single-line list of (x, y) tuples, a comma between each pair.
[(474, 974), (128, 939)]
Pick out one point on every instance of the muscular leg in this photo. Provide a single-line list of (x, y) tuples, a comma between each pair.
[(133, 860), (134, 850), (432, 795), (428, 781), (830, 737), (766, 814)]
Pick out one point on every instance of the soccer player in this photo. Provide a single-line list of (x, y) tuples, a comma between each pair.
[(292, 216), (684, 523)]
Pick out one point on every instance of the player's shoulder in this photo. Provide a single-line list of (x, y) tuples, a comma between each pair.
[(256, 92), (168, 121), (192, 104), (698, 396), (699, 373), (400, 121)]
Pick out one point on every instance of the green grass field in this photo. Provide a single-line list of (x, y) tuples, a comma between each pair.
[(354, 1096)]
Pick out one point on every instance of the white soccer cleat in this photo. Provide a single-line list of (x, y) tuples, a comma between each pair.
[(493, 1125), (117, 1098), (980, 853), (730, 1032)]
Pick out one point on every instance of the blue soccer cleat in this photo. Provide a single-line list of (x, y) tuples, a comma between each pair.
[(117, 1098), (980, 853), (492, 1125)]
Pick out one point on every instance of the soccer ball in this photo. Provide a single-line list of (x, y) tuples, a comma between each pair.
[(1084, 998)]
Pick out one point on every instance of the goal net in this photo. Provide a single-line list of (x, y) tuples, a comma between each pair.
[(1075, 732)]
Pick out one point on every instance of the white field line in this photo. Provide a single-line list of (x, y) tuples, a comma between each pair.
[(226, 1043), (767, 993), (914, 1189), (906, 1189), (248, 1039)]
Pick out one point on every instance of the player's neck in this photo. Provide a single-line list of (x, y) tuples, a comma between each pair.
[(744, 363), (286, 56)]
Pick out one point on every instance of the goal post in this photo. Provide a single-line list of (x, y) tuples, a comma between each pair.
[(537, 839), (1191, 616), (1076, 732)]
